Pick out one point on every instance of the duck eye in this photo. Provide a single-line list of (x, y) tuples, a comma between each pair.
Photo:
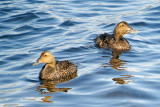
[(45, 55)]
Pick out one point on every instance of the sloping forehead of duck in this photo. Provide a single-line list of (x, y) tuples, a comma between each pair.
[(43, 53), (123, 23)]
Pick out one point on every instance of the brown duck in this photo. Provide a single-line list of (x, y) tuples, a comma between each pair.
[(53, 69), (116, 41)]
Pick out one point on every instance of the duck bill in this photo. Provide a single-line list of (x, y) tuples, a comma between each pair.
[(134, 31), (131, 30), (36, 63)]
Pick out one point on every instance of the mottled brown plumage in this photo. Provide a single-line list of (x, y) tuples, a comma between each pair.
[(115, 41), (53, 69)]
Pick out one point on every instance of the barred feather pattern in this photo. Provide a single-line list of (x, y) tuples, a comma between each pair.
[(62, 69)]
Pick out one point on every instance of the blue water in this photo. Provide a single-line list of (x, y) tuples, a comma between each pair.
[(67, 28)]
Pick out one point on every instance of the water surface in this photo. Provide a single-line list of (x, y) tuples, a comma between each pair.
[(67, 28)]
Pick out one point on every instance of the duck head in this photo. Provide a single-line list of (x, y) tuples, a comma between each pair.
[(46, 57), (123, 28)]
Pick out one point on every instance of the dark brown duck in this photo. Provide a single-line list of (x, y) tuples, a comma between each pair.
[(53, 69), (116, 41)]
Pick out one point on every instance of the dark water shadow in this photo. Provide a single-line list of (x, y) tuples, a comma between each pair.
[(48, 86)]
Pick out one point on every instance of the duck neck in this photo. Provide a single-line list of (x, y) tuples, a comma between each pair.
[(52, 63), (118, 36)]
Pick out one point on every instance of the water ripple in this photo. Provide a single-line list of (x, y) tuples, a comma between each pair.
[(68, 29)]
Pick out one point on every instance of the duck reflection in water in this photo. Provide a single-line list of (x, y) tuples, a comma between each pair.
[(48, 86), (122, 80), (46, 99), (115, 62), (118, 64)]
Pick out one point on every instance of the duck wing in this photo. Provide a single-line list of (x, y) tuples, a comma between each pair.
[(65, 67), (104, 40)]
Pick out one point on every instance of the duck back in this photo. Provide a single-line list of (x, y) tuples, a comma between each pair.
[(104, 40)]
